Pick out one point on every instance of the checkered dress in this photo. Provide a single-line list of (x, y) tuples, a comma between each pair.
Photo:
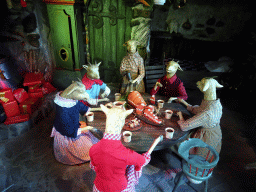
[(207, 120), (71, 150), (131, 174), (135, 65)]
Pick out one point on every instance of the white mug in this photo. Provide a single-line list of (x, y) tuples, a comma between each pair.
[(169, 132), (168, 114), (117, 96), (90, 116), (160, 103), (127, 136)]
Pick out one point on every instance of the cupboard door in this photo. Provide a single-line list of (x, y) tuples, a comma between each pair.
[(60, 24)]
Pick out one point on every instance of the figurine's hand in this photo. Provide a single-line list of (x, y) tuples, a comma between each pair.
[(179, 113), (86, 129), (182, 101), (159, 84), (105, 93), (156, 141), (135, 80), (105, 99), (171, 99)]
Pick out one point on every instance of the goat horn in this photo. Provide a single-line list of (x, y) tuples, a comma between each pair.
[(79, 79)]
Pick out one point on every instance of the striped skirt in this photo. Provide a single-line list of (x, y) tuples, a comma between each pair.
[(72, 151)]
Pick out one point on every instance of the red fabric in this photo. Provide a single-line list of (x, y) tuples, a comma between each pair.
[(36, 95), (32, 79), (172, 87), (7, 93), (89, 82), (16, 119), (20, 95), (110, 159), (23, 3), (11, 108), (30, 105), (48, 88), (35, 88)]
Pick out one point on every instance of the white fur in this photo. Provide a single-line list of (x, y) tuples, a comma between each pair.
[(115, 118), (208, 87), (75, 91)]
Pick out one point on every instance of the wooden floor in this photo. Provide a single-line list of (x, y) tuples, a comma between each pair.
[(27, 162)]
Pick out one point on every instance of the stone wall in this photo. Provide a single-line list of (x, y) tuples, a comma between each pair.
[(204, 20)]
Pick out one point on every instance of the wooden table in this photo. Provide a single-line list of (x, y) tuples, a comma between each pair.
[(144, 137)]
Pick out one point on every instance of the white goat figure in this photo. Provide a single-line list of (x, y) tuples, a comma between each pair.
[(71, 143), (207, 116), (94, 85), (208, 87), (75, 91), (110, 149)]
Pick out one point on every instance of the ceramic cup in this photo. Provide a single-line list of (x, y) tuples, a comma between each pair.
[(169, 132), (119, 104), (160, 103), (90, 116), (168, 114), (117, 96), (127, 136)]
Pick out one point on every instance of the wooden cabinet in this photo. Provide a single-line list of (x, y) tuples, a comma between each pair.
[(65, 21)]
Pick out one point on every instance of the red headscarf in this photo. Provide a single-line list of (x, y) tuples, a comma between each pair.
[(89, 82)]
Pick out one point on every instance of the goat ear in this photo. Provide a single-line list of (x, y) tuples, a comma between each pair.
[(206, 85), (128, 112), (72, 88), (85, 66), (218, 85), (179, 68), (104, 109), (99, 63)]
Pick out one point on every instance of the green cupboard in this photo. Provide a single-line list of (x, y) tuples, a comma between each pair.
[(65, 21), (93, 30)]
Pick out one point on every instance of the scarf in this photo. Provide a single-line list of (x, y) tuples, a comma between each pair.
[(90, 82)]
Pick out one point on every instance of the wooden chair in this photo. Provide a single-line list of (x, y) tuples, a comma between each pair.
[(152, 74)]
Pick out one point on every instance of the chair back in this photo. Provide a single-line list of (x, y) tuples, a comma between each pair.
[(198, 166), (152, 74)]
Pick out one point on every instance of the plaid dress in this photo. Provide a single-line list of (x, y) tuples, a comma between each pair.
[(207, 120), (70, 149), (134, 64), (132, 174)]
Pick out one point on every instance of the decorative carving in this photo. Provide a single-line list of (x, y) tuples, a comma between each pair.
[(97, 12)]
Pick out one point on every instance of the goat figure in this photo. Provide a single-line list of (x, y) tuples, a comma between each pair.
[(170, 85), (94, 85), (117, 167), (207, 115), (71, 143)]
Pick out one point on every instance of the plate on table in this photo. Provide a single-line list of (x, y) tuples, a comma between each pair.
[(128, 119), (127, 128), (143, 118)]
